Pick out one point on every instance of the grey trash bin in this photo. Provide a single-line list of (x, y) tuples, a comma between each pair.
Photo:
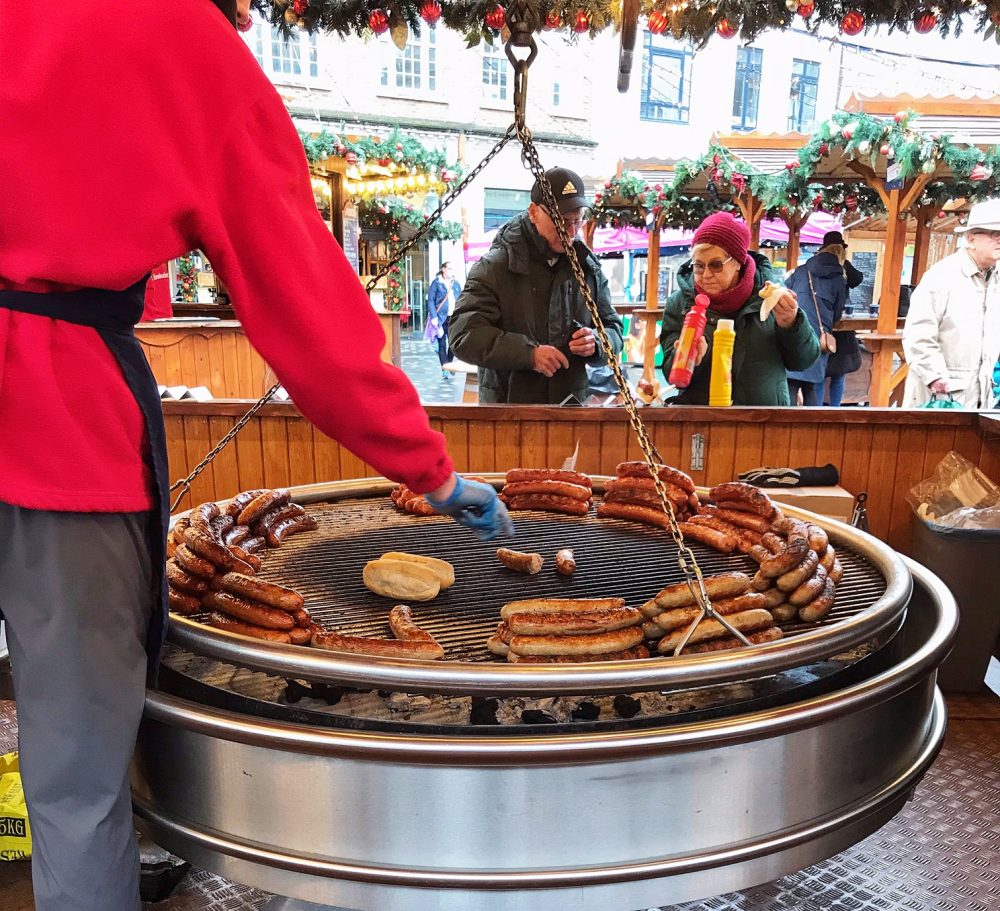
[(966, 560)]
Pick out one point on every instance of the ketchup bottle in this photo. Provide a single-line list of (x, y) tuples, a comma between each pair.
[(693, 329)]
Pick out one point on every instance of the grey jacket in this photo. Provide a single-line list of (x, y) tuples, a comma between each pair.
[(513, 301)]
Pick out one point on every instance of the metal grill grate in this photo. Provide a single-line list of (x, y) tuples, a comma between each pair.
[(614, 559)]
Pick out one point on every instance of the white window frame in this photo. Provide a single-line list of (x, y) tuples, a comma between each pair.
[(499, 92), (262, 40), (423, 45)]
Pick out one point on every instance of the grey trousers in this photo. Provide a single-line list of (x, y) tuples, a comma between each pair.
[(75, 590)]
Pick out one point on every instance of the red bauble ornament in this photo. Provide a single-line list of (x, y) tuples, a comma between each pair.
[(725, 29), (980, 172), (657, 22), (806, 9), (351, 157), (383, 162), (824, 148), (885, 149), (378, 21), (792, 165), (900, 116), (582, 22), (925, 21), (299, 7), (495, 17), (430, 12), (851, 202), (853, 23), (553, 19), (942, 214)]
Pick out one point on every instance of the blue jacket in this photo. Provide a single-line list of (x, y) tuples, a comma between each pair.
[(437, 298), (830, 285)]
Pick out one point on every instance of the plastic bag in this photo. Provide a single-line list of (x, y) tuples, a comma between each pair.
[(433, 331), (956, 484), (942, 402), (971, 518), (15, 833)]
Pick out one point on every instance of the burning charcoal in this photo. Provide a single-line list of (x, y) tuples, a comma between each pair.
[(586, 711), (484, 711), (627, 706), (295, 690), (328, 692), (536, 716)]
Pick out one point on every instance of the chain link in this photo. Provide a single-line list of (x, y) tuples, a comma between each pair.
[(685, 558), (184, 485)]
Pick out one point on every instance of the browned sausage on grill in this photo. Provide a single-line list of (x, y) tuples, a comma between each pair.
[(236, 535), (670, 475), (181, 579), (201, 516), (182, 602), (718, 587), (221, 621), (548, 503), (403, 627), (385, 648), (198, 566), (722, 541), (549, 488), (269, 593), (795, 577), (809, 590), (252, 560), (203, 544), (300, 635), (744, 498), (635, 653), (516, 475), (565, 562), (721, 645), (238, 503), (258, 507), (631, 512), (290, 510), (287, 527), (530, 564), (249, 612), (817, 610)]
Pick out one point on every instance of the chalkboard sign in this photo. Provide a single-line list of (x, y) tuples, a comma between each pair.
[(862, 296)]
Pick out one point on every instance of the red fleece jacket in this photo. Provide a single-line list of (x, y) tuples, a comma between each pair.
[(131, 135)]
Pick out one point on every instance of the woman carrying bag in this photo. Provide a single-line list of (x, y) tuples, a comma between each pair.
[(821, 287)]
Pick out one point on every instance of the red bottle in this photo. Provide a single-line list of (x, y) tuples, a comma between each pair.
[(683, 366)]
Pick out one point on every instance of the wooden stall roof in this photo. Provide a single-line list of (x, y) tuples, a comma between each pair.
[(652, 170), (975, 117), (766, 152)]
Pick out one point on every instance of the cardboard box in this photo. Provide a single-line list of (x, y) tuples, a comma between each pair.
[(834, 502)]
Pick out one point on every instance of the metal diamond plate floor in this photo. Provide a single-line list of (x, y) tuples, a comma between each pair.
[(941, 853)]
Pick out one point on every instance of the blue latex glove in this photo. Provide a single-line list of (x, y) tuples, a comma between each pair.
[(476, 506)]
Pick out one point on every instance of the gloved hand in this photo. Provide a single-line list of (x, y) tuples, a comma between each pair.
[(819, 476), (476, 506)]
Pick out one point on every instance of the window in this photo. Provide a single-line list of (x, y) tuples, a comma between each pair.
[(415, 67), (555, 94), (746, 95), (666, 80), (502, 205), (805, 88), (295, 56), (494, 72)]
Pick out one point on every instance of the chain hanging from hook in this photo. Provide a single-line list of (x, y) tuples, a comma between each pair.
[(686, 558)]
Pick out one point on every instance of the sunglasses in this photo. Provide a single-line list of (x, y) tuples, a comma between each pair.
[(715, 266)]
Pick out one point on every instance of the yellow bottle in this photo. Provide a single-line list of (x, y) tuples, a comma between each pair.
[(720, 390)]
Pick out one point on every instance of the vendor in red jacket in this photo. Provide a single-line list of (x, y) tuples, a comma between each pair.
[(132, 135)]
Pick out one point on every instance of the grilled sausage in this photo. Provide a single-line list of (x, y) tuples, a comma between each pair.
[(277, 533), (631, 512), (252, 545), (724, 542), (177, 530), (773, 634), (558, 605), (718, 524), (198, 566), (300, 635), (236, 535), (759, 553), (219, 526), (252, 560), (269, 593), (828, 557), (743, 497), (184, 581), (683, 617), (548, 488), (559, 623), (648, 498), (201, 516), (760, 582), (789, 526), (718, 587), (793, 553), (182, 602), (748, 520), (795, 577), (221, 621), (784, 613), (773, 597), (818, 538), (418, 506), (837, 572), (272, 518), (240, 502), (258, 507), (750, 621), (257, 614), (516, 475), (817, 610), (381, 648), (670, 475), (204, 545), (635, 653), (496, 646), (591, 644), (547, 503), (773, 542), (302, 617), (809, 590), (402, 625), (565, 562), (520, 562)]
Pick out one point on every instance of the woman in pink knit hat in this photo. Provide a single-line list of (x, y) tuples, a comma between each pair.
[(723, 267)]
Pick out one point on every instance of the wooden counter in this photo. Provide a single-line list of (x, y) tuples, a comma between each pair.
[(882, 451), (218, 355)]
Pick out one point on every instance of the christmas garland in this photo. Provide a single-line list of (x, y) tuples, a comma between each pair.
[(695, 20), (187, 278)]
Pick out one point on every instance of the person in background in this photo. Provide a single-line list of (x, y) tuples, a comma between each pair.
[(83, 468), (723, 267), (951, 337), (821, 285), (847, 358), (441, 297), (521, 317)]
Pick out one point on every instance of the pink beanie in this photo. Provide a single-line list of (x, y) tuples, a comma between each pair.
[(721, 229)]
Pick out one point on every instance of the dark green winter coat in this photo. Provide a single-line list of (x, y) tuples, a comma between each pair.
[(513, 301), (764, 352)]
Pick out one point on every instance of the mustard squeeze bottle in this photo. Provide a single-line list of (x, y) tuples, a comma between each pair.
[(682, 368), (720, 390)]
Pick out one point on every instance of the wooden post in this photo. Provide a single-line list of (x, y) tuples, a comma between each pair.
[(922, 243), (752, 210), (653, 268), (794, 221)]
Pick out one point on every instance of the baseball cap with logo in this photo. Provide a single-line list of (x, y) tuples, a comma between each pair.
[(567, 187)]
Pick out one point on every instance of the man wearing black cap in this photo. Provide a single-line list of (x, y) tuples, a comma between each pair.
[(521, 317)]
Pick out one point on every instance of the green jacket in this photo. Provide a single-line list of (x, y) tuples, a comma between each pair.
[(764, 352), (514, 301)]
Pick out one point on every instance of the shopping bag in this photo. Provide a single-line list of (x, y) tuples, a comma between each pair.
[(936, 402), (15, 833)]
